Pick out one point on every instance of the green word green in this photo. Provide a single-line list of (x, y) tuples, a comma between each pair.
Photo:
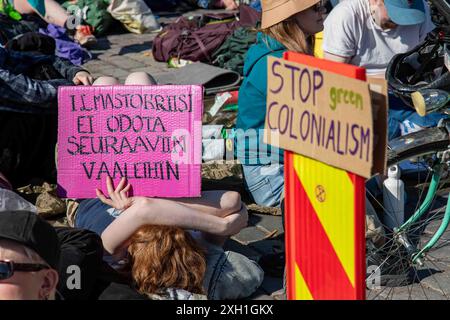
[(339, 95)]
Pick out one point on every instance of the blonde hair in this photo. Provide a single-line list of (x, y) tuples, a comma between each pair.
[(30, 254), (289, 34), (165, 257)]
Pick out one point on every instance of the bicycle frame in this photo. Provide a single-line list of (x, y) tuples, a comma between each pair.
[(437, 172)]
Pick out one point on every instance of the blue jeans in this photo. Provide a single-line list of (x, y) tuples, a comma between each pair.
[(399, 113), (229, 275), (94, 215), (265, 183)]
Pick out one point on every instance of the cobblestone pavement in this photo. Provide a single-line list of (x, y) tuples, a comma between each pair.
[(119, 54)]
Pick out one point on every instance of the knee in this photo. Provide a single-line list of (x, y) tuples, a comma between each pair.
[(231, 201), (106, 81), (140, 78)]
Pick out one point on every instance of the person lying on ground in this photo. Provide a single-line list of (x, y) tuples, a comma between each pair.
[(20, 91), (39, 262), (148, 238), (29, 257), (28, 107), (52, 12), (80, 252)]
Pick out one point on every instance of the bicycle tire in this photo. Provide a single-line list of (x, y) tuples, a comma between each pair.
[(402, 279), (416, 144)]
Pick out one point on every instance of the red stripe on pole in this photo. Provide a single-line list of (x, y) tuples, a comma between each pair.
[(360, 236), (320, 265), (289, 224)]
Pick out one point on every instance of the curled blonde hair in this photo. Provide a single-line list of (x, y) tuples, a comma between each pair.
[(164, 257), (289, 34)]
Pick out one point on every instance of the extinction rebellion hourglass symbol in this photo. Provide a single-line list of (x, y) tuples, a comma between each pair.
[(320, 193)]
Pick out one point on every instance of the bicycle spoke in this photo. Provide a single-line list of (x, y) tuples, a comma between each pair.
[(437, 259), (420, 284), (410, 289), (436, 280), (394, 257)]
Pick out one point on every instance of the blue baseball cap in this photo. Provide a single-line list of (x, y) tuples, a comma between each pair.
[(405, 12)]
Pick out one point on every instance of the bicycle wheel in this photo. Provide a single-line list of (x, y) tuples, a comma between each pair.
[(393, 269)]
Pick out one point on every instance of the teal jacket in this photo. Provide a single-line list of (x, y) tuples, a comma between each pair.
[(252, 102)]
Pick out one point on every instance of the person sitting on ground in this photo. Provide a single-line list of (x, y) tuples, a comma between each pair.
[(227, 4), (28, 120), (218, 4), (52, 12), (286, 25), (151, 236), (368, 33)]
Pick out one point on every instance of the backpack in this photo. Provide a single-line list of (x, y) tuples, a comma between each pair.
[(193, 39), (94, 13), (196, 39), (231, 54), (10, 28)]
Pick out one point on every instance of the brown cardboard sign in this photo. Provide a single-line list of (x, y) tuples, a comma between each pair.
[(378, 93), (322, 115)]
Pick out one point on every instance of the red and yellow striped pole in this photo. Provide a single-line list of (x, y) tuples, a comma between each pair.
[(325, 207), (325, 244)]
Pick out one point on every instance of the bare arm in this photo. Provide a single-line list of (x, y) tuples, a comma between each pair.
[(219, 203), (336, 58), (141, 211)]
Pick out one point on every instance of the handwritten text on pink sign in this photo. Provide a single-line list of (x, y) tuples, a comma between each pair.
[(149, 134)]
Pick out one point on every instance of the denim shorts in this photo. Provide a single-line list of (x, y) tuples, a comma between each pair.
[(265, 183), (402, 118)]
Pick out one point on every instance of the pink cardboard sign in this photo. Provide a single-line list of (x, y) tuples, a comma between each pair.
[(149, 134)]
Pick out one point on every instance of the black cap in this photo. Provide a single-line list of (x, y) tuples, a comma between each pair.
[(31, 230)]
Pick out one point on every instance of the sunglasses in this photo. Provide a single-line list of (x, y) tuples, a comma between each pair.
[(7, 268)]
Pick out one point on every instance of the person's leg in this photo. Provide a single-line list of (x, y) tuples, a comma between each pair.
[(403, 119), (106, 81), (218, 203), (397, 113), (94, 215), (22, 6), (55, 13), (230, 275), (265, 183), (51, 11), (140, 78)]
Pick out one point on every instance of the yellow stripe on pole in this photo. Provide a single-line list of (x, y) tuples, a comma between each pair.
[(301, 288), (331, 194)]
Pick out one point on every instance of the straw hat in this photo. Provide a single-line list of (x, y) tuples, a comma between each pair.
[(274, 11)]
